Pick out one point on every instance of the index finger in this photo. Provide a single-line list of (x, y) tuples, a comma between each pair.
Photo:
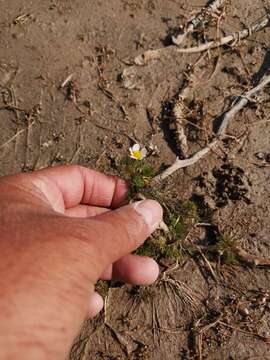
[(70, 185)]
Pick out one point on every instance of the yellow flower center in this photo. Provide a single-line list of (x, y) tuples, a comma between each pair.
[(137, 154)]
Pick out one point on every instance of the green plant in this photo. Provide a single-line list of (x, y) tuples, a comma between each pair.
[(153, 247), (137, 172), (179, 218), (158, 248), (226, 250)]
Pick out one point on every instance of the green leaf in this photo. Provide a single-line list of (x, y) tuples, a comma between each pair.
[(147, 171), (138, 182)]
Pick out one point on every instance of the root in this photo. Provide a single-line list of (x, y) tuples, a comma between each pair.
[(182, 294), (239, 104), (230, 39), (203, 16), (252, 259), (16, 135), (156, 54), (179, 117)]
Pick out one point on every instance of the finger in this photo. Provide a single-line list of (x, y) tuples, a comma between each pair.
[(117, 233), (68, 186), (133, 269), (95, 305), (85, 211)]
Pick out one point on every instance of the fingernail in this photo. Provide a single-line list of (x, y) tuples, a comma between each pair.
[(151, 212)]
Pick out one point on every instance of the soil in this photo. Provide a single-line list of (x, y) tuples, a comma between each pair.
[(204, 308)]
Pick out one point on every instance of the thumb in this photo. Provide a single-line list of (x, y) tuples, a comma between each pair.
[(119, 232)]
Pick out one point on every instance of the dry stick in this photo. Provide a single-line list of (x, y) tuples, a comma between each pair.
[(199, 19), (243, 34), (199, 335), (208, 265), (261, 337), (252, 259), (230, 39), (16, 135), (240, 103)]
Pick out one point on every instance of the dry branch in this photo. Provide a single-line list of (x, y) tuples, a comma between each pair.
[(230, 39), (202, 17), (238, 105), (150, 55)]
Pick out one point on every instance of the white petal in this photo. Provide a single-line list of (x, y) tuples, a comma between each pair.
[(131, 150), (143, 152), (136, 147)]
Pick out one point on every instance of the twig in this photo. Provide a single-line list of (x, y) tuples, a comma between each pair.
[(239, 104), (16, 135), (150, 55), (208, 265), (263, 338), (198, 334), (103, 86), (14, 102), (242, 101), (252, 259), (75, 155), (202, 17), (230, 39), (179, 164), (66, 81)]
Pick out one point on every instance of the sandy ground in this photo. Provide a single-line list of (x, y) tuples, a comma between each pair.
[(211, 309)]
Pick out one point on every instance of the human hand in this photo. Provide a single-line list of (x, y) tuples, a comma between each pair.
[(59, 235)]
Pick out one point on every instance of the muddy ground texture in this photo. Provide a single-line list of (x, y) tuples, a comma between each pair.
[(210, 302)]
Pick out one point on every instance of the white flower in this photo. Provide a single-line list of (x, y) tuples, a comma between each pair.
[(137, 153)]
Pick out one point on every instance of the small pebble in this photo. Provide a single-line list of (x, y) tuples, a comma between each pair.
[(260, 155)]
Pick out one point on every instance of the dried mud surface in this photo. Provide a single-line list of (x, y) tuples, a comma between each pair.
[(41, 44)]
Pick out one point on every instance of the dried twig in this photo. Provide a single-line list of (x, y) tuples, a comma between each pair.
[(230, 39), (16, 135), (208, 265), (75, 156), (66, 81), (199, 333), (252, 259), (263, 338), (239, 104), (104, 87), (179, 164), (202, 17), (14, 102), (243, 34)]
